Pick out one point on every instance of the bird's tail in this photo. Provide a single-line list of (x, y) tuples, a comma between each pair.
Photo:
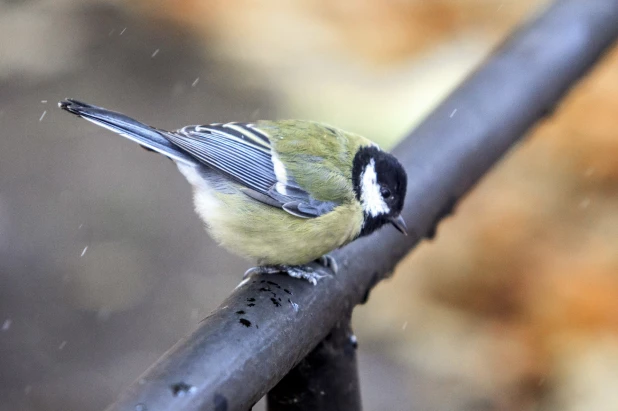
[(142, 134)]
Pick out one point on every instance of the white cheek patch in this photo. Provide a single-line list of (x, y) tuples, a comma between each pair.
[(280, 173), (371, 199)]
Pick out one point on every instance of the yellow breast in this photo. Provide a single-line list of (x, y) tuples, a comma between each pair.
[(271, 235)]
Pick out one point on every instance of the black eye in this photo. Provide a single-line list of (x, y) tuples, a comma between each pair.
[(385, 192)]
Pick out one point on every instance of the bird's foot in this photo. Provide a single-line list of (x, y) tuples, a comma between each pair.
[(305, 272)]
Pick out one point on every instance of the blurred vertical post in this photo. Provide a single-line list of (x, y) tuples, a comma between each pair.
[(326, 379)]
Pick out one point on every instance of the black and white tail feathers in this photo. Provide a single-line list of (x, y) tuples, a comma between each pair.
[(142, 134)]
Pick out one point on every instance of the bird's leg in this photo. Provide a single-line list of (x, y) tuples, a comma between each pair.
[(305, 272)]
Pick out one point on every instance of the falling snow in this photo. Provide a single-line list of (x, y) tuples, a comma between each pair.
[(43, 115), (84, 251), (155, 53), (453, 113), (195, 82), (7, 324)]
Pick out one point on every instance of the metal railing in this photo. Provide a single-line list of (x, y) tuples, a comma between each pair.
[(286, 338)]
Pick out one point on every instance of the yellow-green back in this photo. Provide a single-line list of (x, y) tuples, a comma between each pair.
[(319, 157)]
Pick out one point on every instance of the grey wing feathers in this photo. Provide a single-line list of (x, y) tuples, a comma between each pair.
[(297, 202), (242, 152), (247, 162)]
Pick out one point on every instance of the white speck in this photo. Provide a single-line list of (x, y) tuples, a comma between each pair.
[(584, 203), (294, 306), (43, 115), (182, 392), (453, 113), (27, 389), (7, 324), (111, 32), (353, 339), (155, 53), (84, 251), (197, 80), (62, 344), (404, 326), (44, 101), (589, 171), (80, 226), (122, 32), (322, 393), (502, 4)]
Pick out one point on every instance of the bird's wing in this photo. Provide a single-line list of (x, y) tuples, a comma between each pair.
[(243, 153)]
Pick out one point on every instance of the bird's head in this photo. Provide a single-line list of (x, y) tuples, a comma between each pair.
[(380, 183)]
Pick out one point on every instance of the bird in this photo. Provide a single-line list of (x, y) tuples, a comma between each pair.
[(284, 193)]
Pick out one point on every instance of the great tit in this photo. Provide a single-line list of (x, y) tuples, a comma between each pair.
[(284, 193)]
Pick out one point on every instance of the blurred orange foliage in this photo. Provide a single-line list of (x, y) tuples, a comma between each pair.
[(381, 32)]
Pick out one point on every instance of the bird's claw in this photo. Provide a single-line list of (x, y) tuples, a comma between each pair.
[(305, 272), (263, 269), (328, 262)]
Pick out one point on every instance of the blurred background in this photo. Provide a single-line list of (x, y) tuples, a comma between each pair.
[(104, 265)]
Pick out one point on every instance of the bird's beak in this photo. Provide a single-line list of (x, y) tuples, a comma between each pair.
[(399, 224)]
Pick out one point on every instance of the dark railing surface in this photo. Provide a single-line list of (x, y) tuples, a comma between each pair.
[(268, 326)]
